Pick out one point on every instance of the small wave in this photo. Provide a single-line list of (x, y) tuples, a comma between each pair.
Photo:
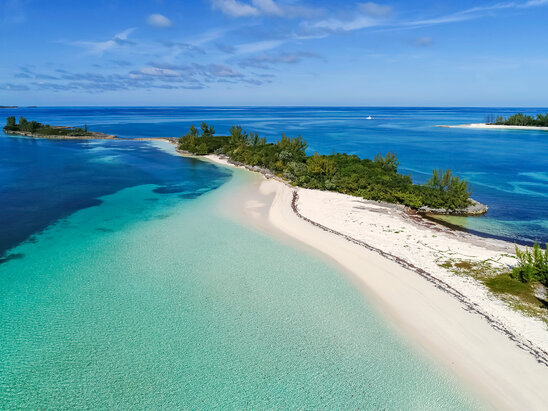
[(535, 175)]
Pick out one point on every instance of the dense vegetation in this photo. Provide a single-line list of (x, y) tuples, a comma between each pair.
[(43, 129), (376, 179), (521, 119), (532, 265)]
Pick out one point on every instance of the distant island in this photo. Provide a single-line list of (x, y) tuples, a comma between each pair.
[(522, 120), (36, 129), (517, 121), (9, 106), (376, 179)]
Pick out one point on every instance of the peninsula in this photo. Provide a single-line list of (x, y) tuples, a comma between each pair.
[(376, 179), (335, 193)]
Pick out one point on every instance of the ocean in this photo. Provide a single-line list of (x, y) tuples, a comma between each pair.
[(123, 283), (507, 169)]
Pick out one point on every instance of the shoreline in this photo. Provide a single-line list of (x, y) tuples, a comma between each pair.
[(453, 327), (494, 127), (418, 219), (476, 345)]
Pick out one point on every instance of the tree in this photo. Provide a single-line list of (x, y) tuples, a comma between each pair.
[(255, 140), (321, 165), (10, 123), (296, 146), (238, 136), (23, 124), (193, 131), (207, 131), (435, 181), (388, 163), (33, 126)]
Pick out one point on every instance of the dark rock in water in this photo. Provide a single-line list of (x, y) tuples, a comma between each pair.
[(15, 256), (476, 208)]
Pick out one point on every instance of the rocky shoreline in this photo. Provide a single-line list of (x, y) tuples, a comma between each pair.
[(474, 209)]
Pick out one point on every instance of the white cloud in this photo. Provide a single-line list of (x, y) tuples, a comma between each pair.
[(374, 9), (159, 20), (235, 8), (360, 22), (475, 12), (99, 47), (367, 15), (258, 46), (534, 3), (268, 7), (372, 14), (156, 71)]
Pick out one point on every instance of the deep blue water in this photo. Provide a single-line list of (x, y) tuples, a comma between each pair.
[(42, 181), (508, 170)]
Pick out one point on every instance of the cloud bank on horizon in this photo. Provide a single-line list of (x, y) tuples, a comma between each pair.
[(279, 52)]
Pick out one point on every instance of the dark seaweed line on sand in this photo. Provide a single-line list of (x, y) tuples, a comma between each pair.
[(540, 355)]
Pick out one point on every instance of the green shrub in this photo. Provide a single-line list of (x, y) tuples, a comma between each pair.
[(521, 119), (43, 129), (374, 180), (532, 265)]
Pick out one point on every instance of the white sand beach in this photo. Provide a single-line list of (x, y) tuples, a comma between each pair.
[(496, 127), (393, 258)]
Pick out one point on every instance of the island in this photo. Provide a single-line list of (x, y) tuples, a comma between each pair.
[(517, 121), (36, 129), (522, 120), (376, 179)]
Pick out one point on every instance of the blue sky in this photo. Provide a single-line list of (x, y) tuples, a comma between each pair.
[(274, 52)]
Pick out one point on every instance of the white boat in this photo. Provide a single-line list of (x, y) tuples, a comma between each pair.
[(369, 118)]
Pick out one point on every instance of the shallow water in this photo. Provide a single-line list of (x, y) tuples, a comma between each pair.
[(154, 299), (122, 285), (508, 169)]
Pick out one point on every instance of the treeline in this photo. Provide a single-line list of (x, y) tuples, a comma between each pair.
[(521, 119), (376, 179), (43, 129)]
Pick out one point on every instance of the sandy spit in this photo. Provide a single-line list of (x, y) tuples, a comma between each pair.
[(392, 257)]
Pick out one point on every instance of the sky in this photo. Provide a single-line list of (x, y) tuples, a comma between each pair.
[(274, 52)]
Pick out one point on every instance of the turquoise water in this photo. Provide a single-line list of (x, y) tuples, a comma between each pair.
[(507, 170), (151, 298)]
